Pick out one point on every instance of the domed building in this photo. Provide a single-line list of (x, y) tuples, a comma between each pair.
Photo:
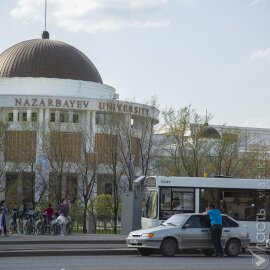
[(208, 132), (50, 87)]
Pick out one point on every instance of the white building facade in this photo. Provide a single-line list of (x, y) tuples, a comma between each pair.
[(46, 84)]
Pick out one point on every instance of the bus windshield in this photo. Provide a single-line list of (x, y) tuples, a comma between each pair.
[(150, 205)]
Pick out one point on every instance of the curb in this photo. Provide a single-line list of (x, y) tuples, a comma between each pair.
[(68, 242), (94, 252)]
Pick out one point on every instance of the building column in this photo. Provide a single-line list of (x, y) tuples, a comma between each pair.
[(93, 129), (70, 117), (46, 118), (42, 163), (28, 115), (88, 143), (57, 116), (15, 115)]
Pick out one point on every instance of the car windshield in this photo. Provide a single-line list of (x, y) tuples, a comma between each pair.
[(175, 220)]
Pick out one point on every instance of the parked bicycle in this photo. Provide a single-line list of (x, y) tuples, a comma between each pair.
[(41, 224), (15, 224), (29, 222)]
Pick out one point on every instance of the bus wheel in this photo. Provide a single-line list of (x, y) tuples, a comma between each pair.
[(145, 251), (233, 248), (208, 252), (168, 248)]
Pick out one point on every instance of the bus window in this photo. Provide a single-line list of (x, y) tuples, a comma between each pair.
[(176, 200), (209, 196), (238, 203)]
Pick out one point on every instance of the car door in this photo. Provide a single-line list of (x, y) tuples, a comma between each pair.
[(227, 227), (196, 232)]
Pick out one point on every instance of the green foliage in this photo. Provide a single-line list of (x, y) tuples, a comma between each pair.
[(103, 206), (185, 148)]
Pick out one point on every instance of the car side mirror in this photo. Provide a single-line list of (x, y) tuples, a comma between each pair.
[(186, 226)]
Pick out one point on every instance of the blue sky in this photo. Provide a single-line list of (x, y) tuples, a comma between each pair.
[(212, 54)]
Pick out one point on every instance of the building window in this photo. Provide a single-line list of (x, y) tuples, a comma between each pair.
[(34, 117), (10, 117), (75, 118), (24, 116), (108, 188), (63, 117), (53, 117), (103, 118)]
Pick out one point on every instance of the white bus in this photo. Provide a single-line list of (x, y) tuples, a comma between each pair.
[(246, 200)]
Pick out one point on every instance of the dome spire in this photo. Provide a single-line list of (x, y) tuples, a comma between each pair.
[(208, 132), (206, 119), (45, 33), (45, 15)]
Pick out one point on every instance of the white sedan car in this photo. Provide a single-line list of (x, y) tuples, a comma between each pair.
[(189, 231)]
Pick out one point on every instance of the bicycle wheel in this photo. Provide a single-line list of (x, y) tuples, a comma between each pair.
[(55, 229), (20, 227), (11, 230), (38, 229)]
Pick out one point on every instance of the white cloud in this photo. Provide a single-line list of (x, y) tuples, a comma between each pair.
[(256, 2), (94, 15), (261, 54), (27, 10)]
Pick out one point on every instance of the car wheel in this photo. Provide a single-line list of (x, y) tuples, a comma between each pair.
[(233, 248), (208, 252), (145, 251), (168, 248)]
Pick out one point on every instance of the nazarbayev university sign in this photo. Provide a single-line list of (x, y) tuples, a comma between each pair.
[(75, 104)]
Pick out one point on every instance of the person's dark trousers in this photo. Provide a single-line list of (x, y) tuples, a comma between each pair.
[(5, 225), (5, 229), (216, 232)]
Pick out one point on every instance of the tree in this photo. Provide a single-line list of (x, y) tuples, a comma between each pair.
[(109, 154), (126, 147), (186, 150), (3, 162), (102, 207), (61, 148), (228, 155), (256, 162), (19, 152), (148, 143), (87, 169)]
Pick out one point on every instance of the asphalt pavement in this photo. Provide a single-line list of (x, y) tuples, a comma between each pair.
[(70, 245)]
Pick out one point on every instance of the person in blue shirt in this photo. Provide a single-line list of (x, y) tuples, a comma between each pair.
[(216, 228)]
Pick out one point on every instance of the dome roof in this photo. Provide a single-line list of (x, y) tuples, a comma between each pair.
[(47, 58), (208, 132)]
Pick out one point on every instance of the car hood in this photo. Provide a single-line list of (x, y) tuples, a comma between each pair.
[(159, 229)]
